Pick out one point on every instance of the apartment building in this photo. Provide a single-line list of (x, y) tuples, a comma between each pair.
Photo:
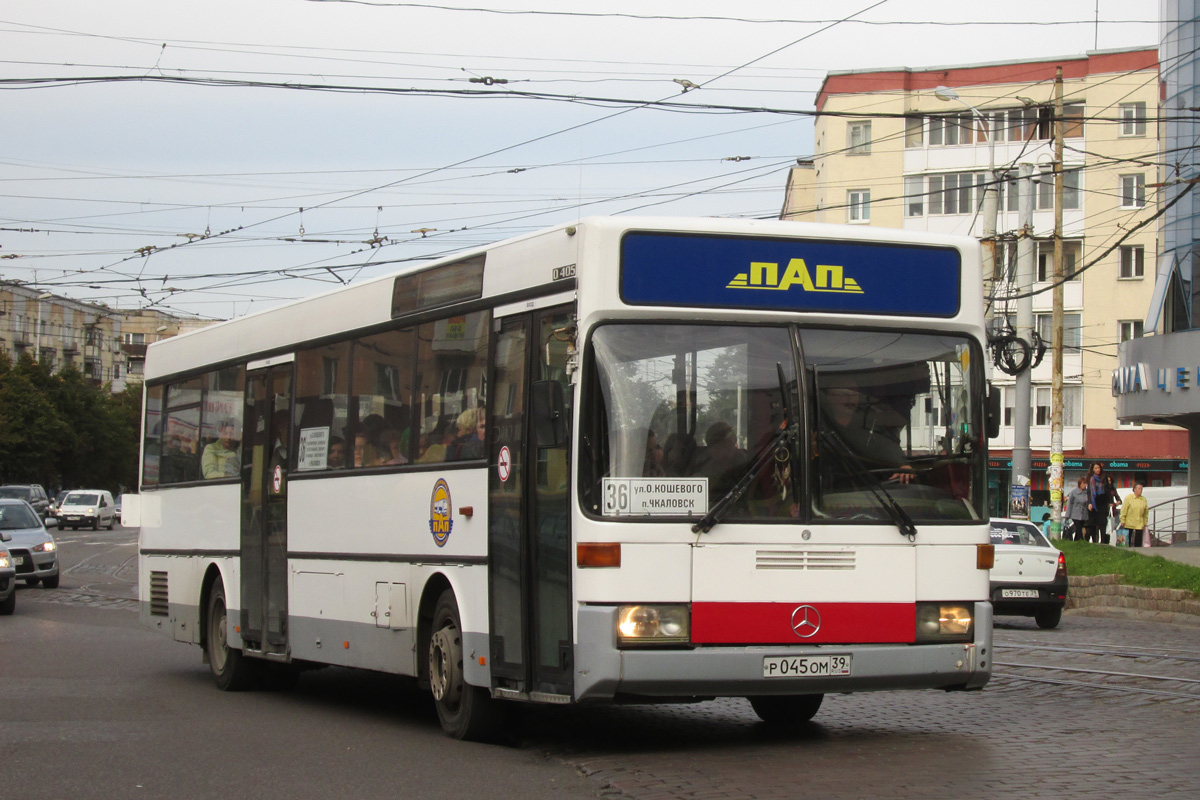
[(893, 148), (106, 345), (59, 332)]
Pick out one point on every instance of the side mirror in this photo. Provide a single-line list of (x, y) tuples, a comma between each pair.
[(993, 412), (549, 414)]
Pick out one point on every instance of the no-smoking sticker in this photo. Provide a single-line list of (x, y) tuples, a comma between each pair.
[(504, 464), (277, 480)]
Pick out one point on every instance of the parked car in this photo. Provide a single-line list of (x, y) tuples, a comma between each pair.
[(32, 549), (8, 579), (92, 507), (1029, 577), (52, 511), (31, 493), (117, 507)]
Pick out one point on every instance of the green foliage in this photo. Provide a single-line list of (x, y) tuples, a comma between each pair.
[(1136, 568), (61, 430)]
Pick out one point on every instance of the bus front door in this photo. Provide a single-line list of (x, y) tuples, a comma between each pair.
[(529, 541), (266, 433)]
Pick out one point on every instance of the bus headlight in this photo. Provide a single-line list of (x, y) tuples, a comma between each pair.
[(945, 622), (657, 624)]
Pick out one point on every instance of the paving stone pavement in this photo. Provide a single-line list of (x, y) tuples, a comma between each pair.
[(1014, 739)]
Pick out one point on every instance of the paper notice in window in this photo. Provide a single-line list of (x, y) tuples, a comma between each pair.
[(313, 449)]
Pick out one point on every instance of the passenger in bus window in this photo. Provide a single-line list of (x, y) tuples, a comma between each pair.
[(469, 442), (653, 467), (392, 448), (365, 454), (433, 444), (337, 453), (722, 461), (221, 458)]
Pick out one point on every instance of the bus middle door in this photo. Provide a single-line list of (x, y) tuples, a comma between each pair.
[(265, 439), (529, 539)]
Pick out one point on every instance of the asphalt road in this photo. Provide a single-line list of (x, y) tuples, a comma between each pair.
[(93, 706)]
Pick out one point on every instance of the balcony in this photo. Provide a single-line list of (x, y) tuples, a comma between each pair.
[(134, 350)]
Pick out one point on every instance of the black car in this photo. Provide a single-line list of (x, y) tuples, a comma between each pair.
[(31, 493)]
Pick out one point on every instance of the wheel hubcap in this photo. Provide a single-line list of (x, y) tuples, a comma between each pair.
[(445, 666), (216, 637)]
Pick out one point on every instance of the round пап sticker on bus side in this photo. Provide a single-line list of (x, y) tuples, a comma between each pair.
[(440, 508)]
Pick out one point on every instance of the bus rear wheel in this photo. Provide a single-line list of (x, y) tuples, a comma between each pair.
[(465, 711), (231, 670), (786, 709)]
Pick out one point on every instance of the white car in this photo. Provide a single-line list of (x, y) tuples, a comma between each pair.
[(1029, 577), (87, 507)]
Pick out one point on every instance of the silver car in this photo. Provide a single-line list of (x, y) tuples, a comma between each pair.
[(8, 579), (32, 550)]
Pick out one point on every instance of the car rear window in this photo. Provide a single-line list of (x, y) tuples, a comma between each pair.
[(1004, 533), (82, 499), (16, 492)]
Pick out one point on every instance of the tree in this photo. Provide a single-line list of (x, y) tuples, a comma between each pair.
[(63, 430)]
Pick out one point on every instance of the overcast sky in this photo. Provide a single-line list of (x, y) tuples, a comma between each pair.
[(221, 118)]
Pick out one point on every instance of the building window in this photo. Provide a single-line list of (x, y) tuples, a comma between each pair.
[(1133, 190), (950, 129), (1072, 406), (914, 131), (1041, 409), (1133, 261), (1133, 119), (1072, 399), (1045, 260), (1130, 329), (135, 338), (859, 205), (136, 367), (858, 138), (1044, 194), (1009, 395), (914, 196), (1072, 331)]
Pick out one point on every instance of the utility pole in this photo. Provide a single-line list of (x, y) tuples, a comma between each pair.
[(1021, 457), (1056, 340)]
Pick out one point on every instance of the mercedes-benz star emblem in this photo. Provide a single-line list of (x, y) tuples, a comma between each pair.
[(806, 621)]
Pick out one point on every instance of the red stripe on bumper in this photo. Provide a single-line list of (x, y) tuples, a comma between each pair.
[(782, 623)]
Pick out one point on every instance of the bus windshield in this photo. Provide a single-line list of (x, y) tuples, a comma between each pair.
[(678, 414)]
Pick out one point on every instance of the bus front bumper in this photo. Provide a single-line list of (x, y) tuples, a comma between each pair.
[(605, 672)]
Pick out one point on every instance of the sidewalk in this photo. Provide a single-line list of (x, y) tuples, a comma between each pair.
[(1183, 553)]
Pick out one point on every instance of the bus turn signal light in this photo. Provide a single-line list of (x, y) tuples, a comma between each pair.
[(985, 556), (598, 554)]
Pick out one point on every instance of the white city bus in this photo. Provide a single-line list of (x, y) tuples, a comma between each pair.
[(628, 459)]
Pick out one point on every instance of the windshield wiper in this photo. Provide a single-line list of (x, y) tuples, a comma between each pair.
[(786, 436), (851, 461), (722, 506)]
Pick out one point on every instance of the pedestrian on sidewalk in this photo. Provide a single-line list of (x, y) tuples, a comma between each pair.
[(1134, 512), (1114, 505), (1097, 504), (1077, 510)]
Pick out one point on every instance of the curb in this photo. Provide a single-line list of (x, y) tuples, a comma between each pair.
[(1104, 592)]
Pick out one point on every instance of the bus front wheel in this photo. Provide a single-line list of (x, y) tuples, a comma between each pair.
[(786, 709), (465, 711), (231, 670)]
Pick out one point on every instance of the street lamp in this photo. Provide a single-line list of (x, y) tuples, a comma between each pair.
[(37, 334)]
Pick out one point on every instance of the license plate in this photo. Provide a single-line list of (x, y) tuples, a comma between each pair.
[(18, 560), (805, 666), (1033, 593)]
